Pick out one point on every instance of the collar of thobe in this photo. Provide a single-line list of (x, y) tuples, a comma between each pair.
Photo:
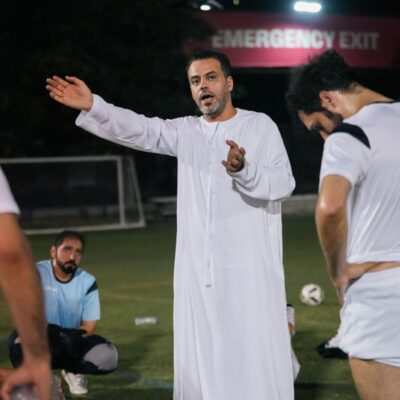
[(227, 121)]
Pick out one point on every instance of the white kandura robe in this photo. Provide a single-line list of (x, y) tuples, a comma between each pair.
[(231, 339)]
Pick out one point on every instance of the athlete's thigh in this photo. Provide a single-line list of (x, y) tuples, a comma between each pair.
[(92, 341), (374, 380)]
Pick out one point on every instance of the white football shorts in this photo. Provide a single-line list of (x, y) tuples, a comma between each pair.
[(370, 318)]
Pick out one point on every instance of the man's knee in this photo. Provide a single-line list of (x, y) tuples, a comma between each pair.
[(101, 358)]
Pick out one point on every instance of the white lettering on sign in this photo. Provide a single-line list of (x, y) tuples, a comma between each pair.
[(358, 40), (294, 39)]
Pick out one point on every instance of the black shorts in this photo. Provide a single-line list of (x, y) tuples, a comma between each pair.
[(67, 348)]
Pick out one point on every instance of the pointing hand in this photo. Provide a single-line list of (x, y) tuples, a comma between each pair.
[(235, 159)]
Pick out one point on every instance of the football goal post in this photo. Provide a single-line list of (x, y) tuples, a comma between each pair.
[(83, 193)]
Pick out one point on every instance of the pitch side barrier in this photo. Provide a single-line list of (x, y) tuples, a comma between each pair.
[(301, 204)]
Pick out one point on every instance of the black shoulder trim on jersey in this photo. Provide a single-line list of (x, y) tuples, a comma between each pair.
[(92, 288), (354, 131), (386, 102)]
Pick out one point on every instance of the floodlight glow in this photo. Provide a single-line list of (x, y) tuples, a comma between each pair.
[(307, 6), (205, 7)]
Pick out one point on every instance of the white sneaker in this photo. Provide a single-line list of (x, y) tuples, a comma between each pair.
[(77, 383)]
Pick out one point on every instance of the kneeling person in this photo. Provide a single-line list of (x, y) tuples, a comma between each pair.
[(72, 310)]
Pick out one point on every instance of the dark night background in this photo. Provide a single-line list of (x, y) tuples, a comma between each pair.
[(130, 52)]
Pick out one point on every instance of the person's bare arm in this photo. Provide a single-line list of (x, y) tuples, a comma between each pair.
[(71, 91), (89, 327), (331, 223), (21, 288)]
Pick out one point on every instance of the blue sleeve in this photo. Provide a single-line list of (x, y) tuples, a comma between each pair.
[(91, 304)]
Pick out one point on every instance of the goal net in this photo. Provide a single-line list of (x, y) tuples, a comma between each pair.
[(84, 193)]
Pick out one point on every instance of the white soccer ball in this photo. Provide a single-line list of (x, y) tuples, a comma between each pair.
[(312, 294)]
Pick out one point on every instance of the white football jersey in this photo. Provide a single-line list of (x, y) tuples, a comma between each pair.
[(365, 150)]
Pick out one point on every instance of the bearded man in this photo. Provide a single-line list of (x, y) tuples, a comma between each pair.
[(72, 309), (231, 339)]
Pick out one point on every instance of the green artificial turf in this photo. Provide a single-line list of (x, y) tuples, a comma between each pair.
[(134, 273)]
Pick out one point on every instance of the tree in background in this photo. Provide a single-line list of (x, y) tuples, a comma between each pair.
[(129, 51)]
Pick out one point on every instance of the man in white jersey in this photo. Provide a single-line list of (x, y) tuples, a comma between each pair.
[(72, 309), (231, 339), (358, 213), (22, 292)]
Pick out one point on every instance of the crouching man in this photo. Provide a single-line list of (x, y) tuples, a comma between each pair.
[(72, 310)]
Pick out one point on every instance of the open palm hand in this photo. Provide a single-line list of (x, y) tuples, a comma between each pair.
[(71, 92)]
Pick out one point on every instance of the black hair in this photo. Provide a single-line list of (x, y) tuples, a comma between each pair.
[(59, 240), (201, 54), (326, 71)]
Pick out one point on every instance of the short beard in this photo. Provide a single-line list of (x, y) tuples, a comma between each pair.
[(336, 118), (67, 269), (215, 110), (212, 111)]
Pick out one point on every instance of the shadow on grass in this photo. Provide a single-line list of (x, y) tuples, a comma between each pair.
[(312, 370), (128, 382), (126, 394), (138, 350), (327, 391), (320, 378), (130, 377)]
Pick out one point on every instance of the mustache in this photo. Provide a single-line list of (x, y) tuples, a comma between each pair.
[(70, 263)]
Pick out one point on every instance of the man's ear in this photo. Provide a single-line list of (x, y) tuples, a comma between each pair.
[(230, 83), (53, 252), (329, 100)]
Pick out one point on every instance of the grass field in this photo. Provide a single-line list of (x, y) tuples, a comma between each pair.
[(134, 274)]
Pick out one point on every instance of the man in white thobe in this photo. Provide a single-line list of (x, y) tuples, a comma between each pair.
[(231, 339)]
